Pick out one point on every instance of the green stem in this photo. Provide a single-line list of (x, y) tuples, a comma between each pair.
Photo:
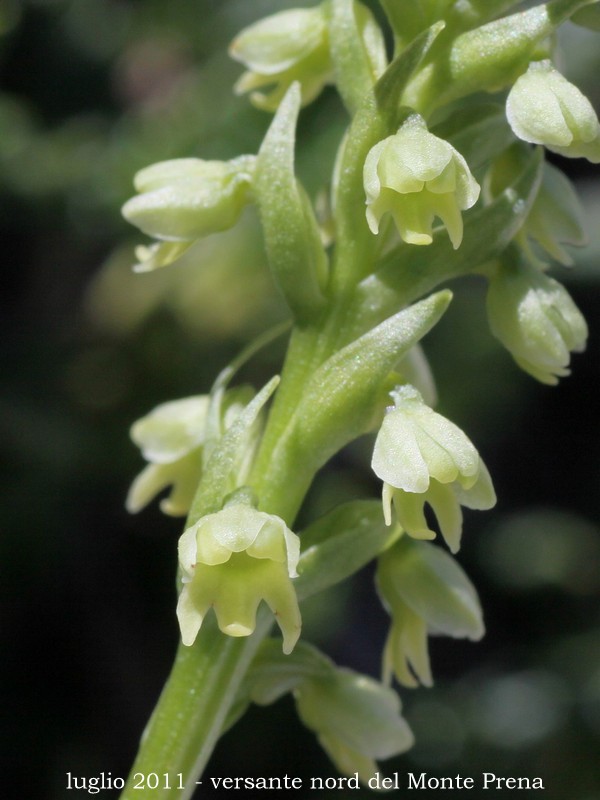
[(188, 719)]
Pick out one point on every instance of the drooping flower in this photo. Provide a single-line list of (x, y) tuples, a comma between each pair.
[(288, 46), (356, 719), (426, 593), (556, 216), (186, 199), (231, 561), (424, 458), (543, 107), (536, 319), (293, 45), (171, 438), (416, 177)]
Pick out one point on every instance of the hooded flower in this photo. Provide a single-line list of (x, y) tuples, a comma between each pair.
[(293, 45), (186, 199), (545, 108), (536, 320), (556, 216), (285, 47), (356, 719), (231, 560), (426, 592), (416, 176), (171, 438), (424, 458)]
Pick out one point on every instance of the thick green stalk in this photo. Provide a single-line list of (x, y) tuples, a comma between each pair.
[(188, 719)]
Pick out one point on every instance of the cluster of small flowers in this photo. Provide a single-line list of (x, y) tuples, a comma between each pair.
[(237, 556)]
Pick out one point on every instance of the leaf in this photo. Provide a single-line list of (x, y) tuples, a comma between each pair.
[(343, 398), (479, 131), (296, 256), (340, 543), (220, 476), (357, 50)]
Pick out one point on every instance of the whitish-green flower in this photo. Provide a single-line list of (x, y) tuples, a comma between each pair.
[(416, 177), (543, 107), (187, 198), (285, 47), (293, 45), (424, 458), (556, 216), (170, 438), (231, 561), (356, 719), (426, 593), (536, 319)]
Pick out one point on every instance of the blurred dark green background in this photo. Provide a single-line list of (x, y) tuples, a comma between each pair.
[(92, 90)]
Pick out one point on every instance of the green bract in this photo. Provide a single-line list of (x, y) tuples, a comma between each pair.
[(231, 561), (536, 320), (544, 108), (425, 592), (187, 198), (415, 176), (424, 458)]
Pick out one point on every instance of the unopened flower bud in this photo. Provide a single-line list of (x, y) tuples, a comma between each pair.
[(543, 107), (416, 177)]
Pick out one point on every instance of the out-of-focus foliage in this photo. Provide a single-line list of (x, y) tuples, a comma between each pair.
[(91, 91)]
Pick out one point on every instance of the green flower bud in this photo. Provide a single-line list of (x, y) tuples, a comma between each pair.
[(544, 108), (187, 198), (426, 592), (536, 319), (285, 47), (424, 458), (231, 560), (356, 719), (416, 177)]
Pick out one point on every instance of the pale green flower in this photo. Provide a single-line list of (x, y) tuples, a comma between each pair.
[(356, 719), (536, 319), (293, 45), (186, 199), (543, 107), (426, 593), (170, 438), (288, 46), (424, 458), (416, 177), (231, 560), (556, 216)]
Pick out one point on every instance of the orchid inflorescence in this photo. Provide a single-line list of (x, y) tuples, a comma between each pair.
[(441, 173)]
